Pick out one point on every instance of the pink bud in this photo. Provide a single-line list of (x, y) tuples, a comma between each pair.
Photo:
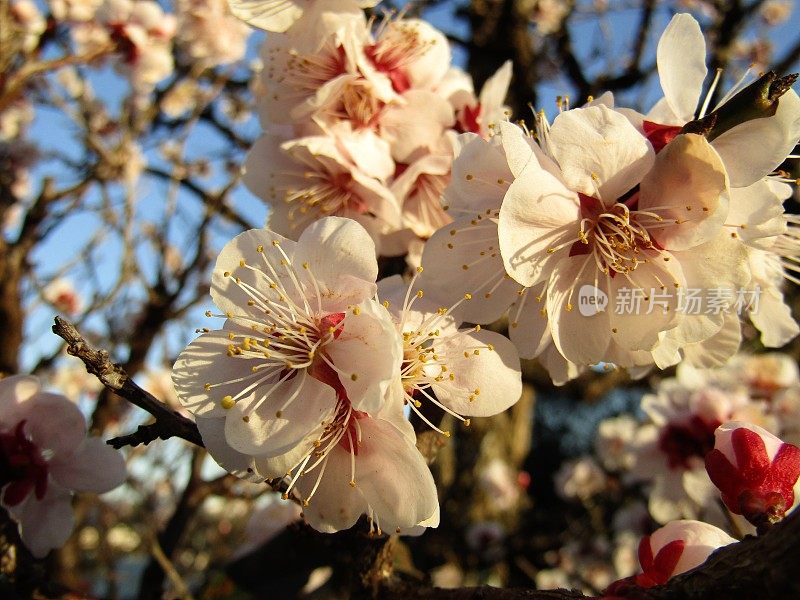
[(755, 472), (676, 548)]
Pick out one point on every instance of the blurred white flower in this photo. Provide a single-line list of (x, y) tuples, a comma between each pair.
[(44, 455)]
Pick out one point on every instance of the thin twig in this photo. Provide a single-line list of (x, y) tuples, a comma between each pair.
[(168, 422)]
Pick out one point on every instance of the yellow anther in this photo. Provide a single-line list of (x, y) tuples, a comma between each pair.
[(242, 263), (467, 296), (419, 269), (354, 377), (206, 386), (467, 422), (259, 248), (306, 265), (352, 483), (278, 414), (357, 311), (228, 402), (226, 273), (420, 293)]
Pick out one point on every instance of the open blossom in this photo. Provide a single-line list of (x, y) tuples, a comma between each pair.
[(312, 177), (44, 455), (296, 383), (465, 372), (464, 257), (676, 548), (298, 315), (669, 451), (755, 471), (598, 210), (481, 115)]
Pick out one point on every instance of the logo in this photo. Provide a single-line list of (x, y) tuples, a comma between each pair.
[(591, 300)]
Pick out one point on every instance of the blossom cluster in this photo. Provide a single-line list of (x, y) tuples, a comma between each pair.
[(360, 120), (560, 228), (309, 376)]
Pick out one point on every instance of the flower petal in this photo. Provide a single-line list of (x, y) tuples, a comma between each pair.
[(93, 467), (688, 187), (47, 523), (445, 279), (340, 256), (212, 430), (393, 477), (206, 361), (369, 352), (600, 153), (486, 374), (262, 425), (681, 60), (775, 137), (538, 214)]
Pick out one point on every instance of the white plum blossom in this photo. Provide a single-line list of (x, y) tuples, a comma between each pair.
[(141, 33), (45, 455), (308, 178), (598, 210), (297, 383), (669, 450), (580, 479), (465, 372)]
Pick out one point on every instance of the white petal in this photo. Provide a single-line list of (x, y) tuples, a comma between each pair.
[(369, 352), (206, 361), (445, 280), (528, 326), (687, 186), (681, 60), (93, 467), (719, 348), (341, 258), (701, 540), (53, 422), (598, 147), (47, 523), (14, 391), (264, 433), (260, 271), (775, 137), (212, 430), (394, 478), (582, 339), (559, 368), (636, 326), (773, 318), (335, 505), (518, 147), (270, 15), (494, 374), (538, 213)]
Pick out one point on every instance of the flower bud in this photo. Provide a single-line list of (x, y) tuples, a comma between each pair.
[(676, 548), (755, 471)]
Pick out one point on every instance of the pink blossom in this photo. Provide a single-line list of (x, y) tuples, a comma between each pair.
[(44, 455), (755, 472), (676, 548)]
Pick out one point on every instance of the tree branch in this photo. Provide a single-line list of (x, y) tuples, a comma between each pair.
[(168, 422)]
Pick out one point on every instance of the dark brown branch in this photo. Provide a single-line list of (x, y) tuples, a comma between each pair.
[(168, 423), (756, 567)]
